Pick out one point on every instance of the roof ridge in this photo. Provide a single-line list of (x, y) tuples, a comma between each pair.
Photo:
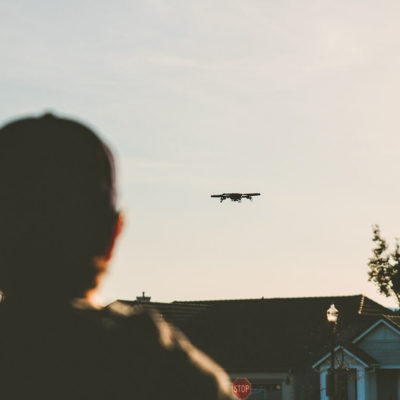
[(361, 304), (184, 305), (269, 298), (392, 319), (369, 306)]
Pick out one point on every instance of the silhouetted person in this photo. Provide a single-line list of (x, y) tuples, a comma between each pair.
[(58, 225)]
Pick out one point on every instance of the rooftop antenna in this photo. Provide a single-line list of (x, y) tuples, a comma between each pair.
[(143, 297)]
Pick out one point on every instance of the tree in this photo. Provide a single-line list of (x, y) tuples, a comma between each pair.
[(384, 266)]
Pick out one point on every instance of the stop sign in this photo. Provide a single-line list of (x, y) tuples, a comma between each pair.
[(241, 388)]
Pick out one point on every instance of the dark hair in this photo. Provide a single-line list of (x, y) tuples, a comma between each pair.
[(57, 207)]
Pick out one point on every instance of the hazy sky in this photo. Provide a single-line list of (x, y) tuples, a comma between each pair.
[(298, 100)]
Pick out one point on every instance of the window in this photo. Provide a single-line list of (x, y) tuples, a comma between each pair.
[(266, 391)]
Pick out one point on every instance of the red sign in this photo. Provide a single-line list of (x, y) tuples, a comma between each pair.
[(241, 388)]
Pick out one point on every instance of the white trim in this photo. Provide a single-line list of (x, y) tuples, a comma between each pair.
[(322, 385), (373, 326), (325, 357), (348, 352)]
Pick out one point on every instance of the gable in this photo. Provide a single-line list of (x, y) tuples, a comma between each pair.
[(381, 332), (343, 359), (383, 344)]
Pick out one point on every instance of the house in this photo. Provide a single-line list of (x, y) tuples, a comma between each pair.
[(369, 359), (280, 344)]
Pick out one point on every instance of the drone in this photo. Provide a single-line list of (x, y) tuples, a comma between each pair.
[(235, 196)]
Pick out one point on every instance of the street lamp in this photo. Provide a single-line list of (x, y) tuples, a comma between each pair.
[(332, 315)]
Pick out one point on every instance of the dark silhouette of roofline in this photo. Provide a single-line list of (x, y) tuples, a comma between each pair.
[(271, 298), (274, 334)]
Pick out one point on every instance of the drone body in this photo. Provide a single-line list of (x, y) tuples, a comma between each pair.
[(235, 196)]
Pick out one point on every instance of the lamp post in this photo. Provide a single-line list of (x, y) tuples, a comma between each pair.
[(332, 315)]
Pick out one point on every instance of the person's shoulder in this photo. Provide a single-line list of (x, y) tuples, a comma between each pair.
[(125, 312), (136, 319), (168, 355)]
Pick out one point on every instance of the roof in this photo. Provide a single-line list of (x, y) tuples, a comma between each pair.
[(361, 354), (176, 314), (394, 319), (275, 334), (360, 327), (353, 351)]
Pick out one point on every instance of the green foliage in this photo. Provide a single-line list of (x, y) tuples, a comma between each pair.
[(384, 266)]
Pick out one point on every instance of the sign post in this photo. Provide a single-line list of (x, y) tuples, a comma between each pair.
[(241, 388)]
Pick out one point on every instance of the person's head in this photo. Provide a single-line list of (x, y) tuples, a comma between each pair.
[(58, 219)]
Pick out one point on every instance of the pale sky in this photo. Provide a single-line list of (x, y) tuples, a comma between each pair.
[(295, 99)]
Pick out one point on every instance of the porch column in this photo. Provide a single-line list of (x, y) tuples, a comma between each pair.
[(322, 384), (361, 384)]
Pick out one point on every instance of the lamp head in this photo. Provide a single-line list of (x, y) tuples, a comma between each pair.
[(332, 314)]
